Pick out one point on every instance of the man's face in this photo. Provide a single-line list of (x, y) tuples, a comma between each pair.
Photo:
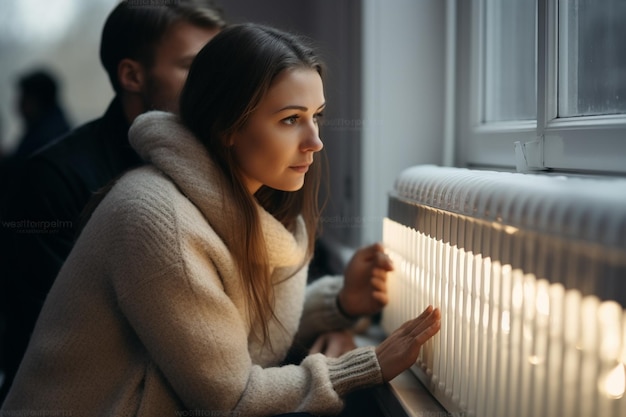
[(172, 59)]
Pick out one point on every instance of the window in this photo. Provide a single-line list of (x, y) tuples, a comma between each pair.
[(549, 74), (592, 58), (510, 61)]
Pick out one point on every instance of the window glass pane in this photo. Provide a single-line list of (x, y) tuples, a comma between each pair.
[(510, 60), (592, 57)]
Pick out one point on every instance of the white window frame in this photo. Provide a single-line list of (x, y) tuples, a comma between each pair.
[(594, 144)]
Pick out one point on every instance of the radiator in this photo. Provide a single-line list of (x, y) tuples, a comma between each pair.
[(529, 272)]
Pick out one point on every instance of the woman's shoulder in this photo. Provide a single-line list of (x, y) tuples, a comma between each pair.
[(143, 187), (146, 199), (141, 198)]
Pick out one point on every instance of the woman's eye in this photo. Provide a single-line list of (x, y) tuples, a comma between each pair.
[(318, 117), (291, 120)]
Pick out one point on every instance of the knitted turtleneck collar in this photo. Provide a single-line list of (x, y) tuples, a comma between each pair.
[(161, 140)]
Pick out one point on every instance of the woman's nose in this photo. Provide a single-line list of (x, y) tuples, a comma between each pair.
[(312, 141)]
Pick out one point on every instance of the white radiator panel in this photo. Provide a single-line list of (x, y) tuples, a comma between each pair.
[(530, 275)]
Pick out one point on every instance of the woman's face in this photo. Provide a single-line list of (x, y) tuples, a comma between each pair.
[(277, 144)]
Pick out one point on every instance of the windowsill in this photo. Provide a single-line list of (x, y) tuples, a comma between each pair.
[(554, 173)]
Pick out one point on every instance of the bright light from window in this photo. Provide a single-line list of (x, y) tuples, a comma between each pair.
[(592, 57), (510, 60)]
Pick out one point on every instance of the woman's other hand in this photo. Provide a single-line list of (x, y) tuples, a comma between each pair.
[(365, 285)]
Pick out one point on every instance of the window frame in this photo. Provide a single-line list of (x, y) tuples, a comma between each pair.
[(590, 144)]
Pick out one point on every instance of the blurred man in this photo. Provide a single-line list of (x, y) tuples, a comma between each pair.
[(41, 113), (146, 51)]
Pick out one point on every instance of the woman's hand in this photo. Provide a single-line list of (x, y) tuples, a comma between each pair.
[(400, 350), (365, 285), (334, 344)]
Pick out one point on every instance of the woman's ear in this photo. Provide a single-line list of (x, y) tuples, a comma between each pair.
[(131, 75)]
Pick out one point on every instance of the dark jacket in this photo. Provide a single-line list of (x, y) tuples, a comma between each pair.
[(42, 214), (39, 133)]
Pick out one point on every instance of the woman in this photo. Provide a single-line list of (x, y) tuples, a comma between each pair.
[(187, 287)]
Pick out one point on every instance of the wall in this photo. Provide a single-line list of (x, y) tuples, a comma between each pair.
[(403, 97), (335, 29)]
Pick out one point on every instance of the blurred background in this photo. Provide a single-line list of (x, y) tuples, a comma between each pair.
[(385, 85), (61, 37)]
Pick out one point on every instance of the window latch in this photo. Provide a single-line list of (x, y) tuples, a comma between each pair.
[(529, 155)]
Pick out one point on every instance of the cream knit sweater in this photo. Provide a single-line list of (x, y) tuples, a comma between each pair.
[(147, 316)]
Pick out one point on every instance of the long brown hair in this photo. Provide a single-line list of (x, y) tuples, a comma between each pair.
[(226, 82)]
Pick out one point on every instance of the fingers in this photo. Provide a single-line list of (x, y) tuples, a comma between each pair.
[(410, 326), (400, 350), (376, 253), (429, 332), (369, 252), (379, 283), (383, 262), (424, 322), (379, 290), (380, 273), (374, 248), (426, 312), (381, 297)]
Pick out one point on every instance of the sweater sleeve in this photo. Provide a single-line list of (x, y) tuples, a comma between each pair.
[(315, 386), (174, 299), (321, 313)]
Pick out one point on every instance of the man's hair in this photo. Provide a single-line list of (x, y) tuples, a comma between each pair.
[(135, 27)]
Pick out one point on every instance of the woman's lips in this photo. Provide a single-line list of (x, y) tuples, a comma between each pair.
[(300, 168)]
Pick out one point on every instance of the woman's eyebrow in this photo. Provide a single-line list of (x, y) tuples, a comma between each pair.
[(297, 107)]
